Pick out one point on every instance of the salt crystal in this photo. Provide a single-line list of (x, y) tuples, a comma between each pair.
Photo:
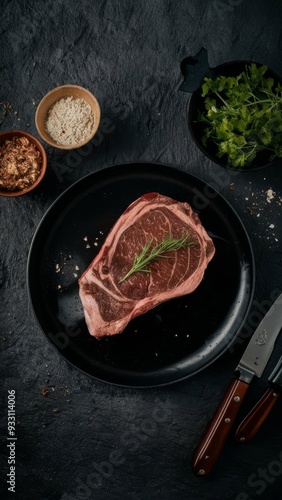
[(269, 195), (70, 121)]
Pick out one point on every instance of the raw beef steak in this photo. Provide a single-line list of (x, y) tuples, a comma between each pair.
[(109, 305)]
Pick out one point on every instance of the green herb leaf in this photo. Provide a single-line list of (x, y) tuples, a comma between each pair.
[(243, 115), (150, 254)]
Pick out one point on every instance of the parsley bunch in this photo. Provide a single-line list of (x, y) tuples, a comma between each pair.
[(243, 115)]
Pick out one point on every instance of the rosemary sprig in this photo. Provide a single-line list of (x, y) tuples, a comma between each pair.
[(149, 253)]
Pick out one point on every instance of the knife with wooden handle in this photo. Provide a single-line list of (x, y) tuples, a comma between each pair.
[(255, 418), (253, 362)]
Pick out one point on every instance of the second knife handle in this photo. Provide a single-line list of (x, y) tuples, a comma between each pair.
[(217, 431), (255, 418)]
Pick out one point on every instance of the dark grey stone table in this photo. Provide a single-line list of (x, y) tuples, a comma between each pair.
[(78, 437)]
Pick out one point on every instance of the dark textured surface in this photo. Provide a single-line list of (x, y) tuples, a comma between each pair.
[(128, 54)]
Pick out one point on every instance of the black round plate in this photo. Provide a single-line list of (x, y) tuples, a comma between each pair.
[(177, 338)]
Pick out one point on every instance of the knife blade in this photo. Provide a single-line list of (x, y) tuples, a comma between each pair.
[(253, 362), (255, 418)]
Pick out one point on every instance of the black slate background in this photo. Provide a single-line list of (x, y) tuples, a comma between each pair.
[(128, 54)]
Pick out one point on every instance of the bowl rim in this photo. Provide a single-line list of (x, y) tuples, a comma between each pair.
[(6, 134), (44, 134)]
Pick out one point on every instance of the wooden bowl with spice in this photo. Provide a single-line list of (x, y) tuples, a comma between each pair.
[(68, 117), (23, 163)]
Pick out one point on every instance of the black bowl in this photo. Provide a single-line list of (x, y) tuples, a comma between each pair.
[(196, 105)]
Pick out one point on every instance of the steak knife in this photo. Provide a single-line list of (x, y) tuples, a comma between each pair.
[(253, 362), (255, 418)]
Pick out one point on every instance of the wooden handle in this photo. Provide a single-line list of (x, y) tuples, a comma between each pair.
[(253, 421), (217, 431)]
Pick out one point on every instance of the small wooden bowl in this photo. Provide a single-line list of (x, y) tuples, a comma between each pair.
[(55, 95), (20, 133)]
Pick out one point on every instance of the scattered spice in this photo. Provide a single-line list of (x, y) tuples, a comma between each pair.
[(262, 204), (20, 164), (252, 209), (7, 107)]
